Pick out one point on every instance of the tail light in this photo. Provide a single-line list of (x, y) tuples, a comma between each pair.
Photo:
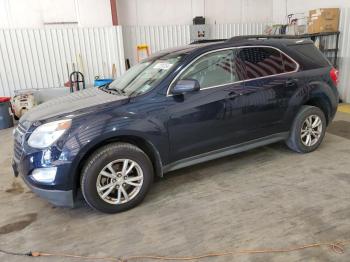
[(334, 76)]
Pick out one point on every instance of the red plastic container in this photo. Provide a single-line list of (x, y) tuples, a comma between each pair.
[(4, 99)]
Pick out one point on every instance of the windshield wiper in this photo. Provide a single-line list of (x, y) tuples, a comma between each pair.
[(119, 91), (107, 89)]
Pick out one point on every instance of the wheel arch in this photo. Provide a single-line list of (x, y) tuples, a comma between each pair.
[(140, 142), (322, 103), (323, 96)]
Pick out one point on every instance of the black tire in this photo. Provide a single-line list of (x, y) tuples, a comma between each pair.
[(95, 164), (294, 142)]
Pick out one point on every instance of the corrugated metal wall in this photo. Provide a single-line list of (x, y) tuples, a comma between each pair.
[(162, 37), (222, 31), (38, 58), (344, 55), (156, 37)]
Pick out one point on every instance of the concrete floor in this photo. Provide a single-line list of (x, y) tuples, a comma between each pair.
[(265, 198)]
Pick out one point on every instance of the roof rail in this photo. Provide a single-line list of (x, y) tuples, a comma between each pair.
[(207, 41), (247, 37)]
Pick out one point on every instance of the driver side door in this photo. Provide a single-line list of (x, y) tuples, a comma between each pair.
[(198, 120)]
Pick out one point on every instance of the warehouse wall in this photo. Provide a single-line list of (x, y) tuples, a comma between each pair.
[(283, 7), (43, 58), (167, 12), (35, 13)]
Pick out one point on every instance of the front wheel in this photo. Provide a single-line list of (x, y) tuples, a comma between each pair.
[(308, 130), (116, 178)]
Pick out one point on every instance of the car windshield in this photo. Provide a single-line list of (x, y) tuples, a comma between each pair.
[(144, 76)]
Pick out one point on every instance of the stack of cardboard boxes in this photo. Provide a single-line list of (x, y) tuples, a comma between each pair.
[(323, 20)]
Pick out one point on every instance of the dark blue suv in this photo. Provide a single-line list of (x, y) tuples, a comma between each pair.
[(178, 108)]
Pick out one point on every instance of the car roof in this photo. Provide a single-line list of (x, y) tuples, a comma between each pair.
[(208, 45), (178, 51)]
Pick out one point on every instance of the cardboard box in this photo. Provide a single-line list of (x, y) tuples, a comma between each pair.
[(323, 20)]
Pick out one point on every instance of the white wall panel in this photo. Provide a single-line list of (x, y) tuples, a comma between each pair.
[(223, 31), (57, 11), (167, 12), (344, 55), (35, 13), (162, 37), (156, 37), (93, 12), (5, 19), (38, 58)]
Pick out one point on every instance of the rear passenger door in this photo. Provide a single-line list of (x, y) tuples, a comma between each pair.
[(268, 86)]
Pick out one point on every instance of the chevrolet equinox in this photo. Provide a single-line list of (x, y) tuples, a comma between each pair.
[(178, 108)]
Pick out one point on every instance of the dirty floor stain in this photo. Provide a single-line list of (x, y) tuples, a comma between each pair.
[(15, 188), (19, 225)]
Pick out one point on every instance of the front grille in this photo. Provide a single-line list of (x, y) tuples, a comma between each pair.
[(21, 128), (19, 136), (17, 150)]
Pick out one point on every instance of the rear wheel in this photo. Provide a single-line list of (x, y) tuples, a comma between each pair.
[(116, 178), (308, 130)]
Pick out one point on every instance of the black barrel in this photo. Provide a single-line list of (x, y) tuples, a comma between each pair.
[(6, 119)]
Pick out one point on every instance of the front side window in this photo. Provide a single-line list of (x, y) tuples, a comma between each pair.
[(214, 69)]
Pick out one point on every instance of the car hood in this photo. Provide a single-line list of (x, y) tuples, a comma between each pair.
[(69, 104)]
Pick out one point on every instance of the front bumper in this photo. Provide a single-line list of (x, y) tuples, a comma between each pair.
[(56, 197)]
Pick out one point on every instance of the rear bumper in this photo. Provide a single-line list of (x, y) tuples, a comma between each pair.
[(57, 197)]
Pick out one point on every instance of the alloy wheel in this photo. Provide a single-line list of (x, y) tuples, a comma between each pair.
[(119, 181), (311, 130)]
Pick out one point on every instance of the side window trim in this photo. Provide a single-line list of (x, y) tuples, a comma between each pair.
[(235, 82)]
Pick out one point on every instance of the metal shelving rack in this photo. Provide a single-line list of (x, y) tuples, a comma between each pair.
[(326, 51)]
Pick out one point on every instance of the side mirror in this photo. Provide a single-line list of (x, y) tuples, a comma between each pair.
[(185, 86)]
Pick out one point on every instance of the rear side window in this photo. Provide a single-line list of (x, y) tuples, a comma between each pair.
[(265, 61), (289, 64), (261, 61)]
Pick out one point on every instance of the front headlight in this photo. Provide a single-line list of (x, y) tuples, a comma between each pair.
[(45, 135)]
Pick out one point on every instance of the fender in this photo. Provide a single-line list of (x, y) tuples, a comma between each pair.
[(94, 131), (311, 91), (126, 136), (325, 96)]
